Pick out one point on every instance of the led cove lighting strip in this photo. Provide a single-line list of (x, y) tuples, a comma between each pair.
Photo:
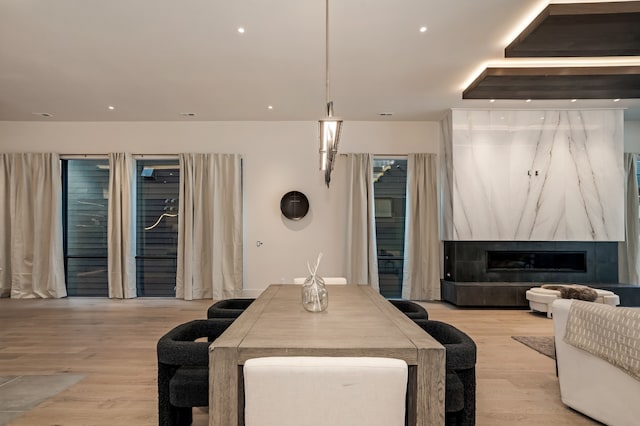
[(613, 61)]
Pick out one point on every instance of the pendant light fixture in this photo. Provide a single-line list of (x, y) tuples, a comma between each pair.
[(330, 126)]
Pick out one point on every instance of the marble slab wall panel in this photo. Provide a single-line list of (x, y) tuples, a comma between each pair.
[(554, 175), (446, 180)]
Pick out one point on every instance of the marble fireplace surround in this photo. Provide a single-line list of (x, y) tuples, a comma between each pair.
[(529, 181), (529, 175)]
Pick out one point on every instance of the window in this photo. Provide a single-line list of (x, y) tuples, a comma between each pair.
[(389, 188), (85, 212), (157, 189), (85, 204)]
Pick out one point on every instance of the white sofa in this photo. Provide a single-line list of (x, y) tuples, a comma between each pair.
[(590, 384)]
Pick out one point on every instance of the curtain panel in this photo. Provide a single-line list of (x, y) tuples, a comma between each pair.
[(629, 262), (362, 258), (120, 227), (31, 252), (421, 276), (210, 227)]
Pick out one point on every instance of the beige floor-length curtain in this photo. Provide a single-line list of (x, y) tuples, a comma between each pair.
[(362, 259), (31, 254), (120, 229), (421, 277), (629, 270), (210, 227)]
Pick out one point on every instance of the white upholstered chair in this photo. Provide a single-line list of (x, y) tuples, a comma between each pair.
[(321, 391), (327, 280), (541, 299)]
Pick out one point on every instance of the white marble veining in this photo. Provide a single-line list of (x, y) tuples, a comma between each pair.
[(533, 175), (446, 180)]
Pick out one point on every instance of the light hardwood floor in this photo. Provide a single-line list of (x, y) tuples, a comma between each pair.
[(113, 342)]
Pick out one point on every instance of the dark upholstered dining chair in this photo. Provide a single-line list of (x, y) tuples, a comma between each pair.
[(228, 308), (183, 369), (460, 381), (410, 309)]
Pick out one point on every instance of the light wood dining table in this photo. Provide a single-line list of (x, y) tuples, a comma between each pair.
[(358, 322)]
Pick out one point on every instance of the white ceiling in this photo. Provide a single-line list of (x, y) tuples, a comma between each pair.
[(156, 59)]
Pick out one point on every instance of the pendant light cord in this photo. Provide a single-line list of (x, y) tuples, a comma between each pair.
[(327, 87)]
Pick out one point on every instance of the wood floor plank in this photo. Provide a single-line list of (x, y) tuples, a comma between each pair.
[(113, 344)]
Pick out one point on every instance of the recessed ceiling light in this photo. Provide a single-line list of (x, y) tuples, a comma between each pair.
[(43, 114), (574, 100), (423, 29), (188, 114), (270, 107), (616, 100), (241, 30), (492, 100), (528, 100), (111, 107)]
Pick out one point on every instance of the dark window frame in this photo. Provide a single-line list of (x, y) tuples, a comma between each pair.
[(99, 286), (155, 270), (388, 226)]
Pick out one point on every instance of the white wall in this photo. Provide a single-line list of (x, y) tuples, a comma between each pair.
[(632, 136), (278, 157)]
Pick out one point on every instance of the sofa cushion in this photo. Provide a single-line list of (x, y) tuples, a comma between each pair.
[(607, 332)]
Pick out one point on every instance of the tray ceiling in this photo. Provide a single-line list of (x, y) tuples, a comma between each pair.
[(556, 83), (584, 30), (581, 30)]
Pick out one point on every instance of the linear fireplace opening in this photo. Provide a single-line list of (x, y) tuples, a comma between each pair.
[(537, 261)]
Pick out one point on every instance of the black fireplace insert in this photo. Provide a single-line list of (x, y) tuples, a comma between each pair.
[(537, 261)]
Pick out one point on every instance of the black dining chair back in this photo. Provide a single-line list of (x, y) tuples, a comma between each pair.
[(460, 380), (228, 308), (410, 309), (183, 369)]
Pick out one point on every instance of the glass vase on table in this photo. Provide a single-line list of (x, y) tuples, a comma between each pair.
[(315, 297)]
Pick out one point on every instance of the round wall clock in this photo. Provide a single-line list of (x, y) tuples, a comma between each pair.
[(294, 205)]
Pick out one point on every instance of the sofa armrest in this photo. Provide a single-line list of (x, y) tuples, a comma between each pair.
[(590, 384), (560, 317)]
